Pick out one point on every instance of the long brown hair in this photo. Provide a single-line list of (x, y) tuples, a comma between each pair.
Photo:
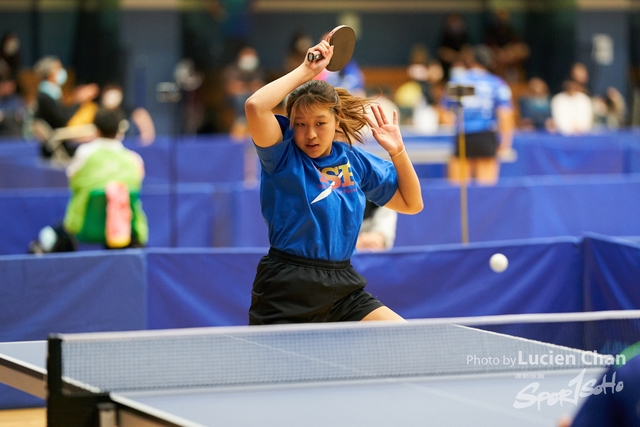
[(350, 110)]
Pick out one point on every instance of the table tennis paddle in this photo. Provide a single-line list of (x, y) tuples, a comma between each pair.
[(343, 40)]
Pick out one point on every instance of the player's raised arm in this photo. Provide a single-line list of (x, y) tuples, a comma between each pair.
[(263, 126), (408, 198)]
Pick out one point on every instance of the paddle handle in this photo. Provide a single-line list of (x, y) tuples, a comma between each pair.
[(314, 56)]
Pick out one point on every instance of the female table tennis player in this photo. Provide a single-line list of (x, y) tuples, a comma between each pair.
[(313, 192)]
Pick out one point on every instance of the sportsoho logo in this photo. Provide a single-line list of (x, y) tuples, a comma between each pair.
[(576, 388), (580, 386)]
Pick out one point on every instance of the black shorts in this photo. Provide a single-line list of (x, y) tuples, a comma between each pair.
[(479, 144), (293, 289)]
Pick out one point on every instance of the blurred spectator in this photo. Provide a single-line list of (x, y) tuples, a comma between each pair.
[(102, 164), (509, 50), (10, 51), (535, 107), (50, 106), (300, 43), (111, 97), (572, 110), (13, 111), (192, 114), (610, 110), (453, 39), (378, 231), (242, 78), (580, 75), (488, 119), (416, 97)]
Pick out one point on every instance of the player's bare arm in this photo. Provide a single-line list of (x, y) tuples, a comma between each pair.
[(263, 126), (408, 197)]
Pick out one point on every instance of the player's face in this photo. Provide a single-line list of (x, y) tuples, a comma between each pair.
[(314, 131)]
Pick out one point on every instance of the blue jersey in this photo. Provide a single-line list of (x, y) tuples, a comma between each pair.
[(314, 207), (349, 78), (479, 110)]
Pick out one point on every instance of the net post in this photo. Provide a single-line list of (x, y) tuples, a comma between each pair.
[(54, 365), (462, 150), (107, 414)]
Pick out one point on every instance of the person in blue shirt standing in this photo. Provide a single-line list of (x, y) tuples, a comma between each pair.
[(314, 186), (488, 119)]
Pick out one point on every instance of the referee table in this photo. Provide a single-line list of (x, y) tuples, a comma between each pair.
[(442, 372)]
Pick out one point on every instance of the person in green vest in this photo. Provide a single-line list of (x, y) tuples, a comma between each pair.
[(103, 166)]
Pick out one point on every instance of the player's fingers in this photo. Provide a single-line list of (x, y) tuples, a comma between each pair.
[(395, 117), (383, 116), (324, 48), (376, 113), (373, 125), (329, 52), (319, 51)]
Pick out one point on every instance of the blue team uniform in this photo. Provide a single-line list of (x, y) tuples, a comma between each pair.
[(349, 78), (314, 207), (491, 92)]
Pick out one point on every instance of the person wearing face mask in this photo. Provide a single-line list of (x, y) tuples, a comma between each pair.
[(242, 78), (111, 98), (51, 107)]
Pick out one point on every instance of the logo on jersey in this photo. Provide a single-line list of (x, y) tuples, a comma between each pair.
[(336, 177)]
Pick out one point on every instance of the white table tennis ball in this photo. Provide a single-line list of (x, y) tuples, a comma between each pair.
[(498, 263)]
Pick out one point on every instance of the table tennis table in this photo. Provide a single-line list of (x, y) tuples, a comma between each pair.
[(349, 374)]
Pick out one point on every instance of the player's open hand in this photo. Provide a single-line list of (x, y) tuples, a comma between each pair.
[(386, 133), (326, 52)]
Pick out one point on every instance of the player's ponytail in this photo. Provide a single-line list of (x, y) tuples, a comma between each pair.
[(350, 110)]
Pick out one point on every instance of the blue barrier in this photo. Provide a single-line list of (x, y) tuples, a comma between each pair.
[(611, 273), (91, 292), (212, 160), (531, 207), (25, 212), (192, 160), (218, 290), (218, 158), (175, 288), (228, 215), (95, 291), (29, 173), (167, 288)]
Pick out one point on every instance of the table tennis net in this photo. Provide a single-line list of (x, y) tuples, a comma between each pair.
[(241, 356)]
